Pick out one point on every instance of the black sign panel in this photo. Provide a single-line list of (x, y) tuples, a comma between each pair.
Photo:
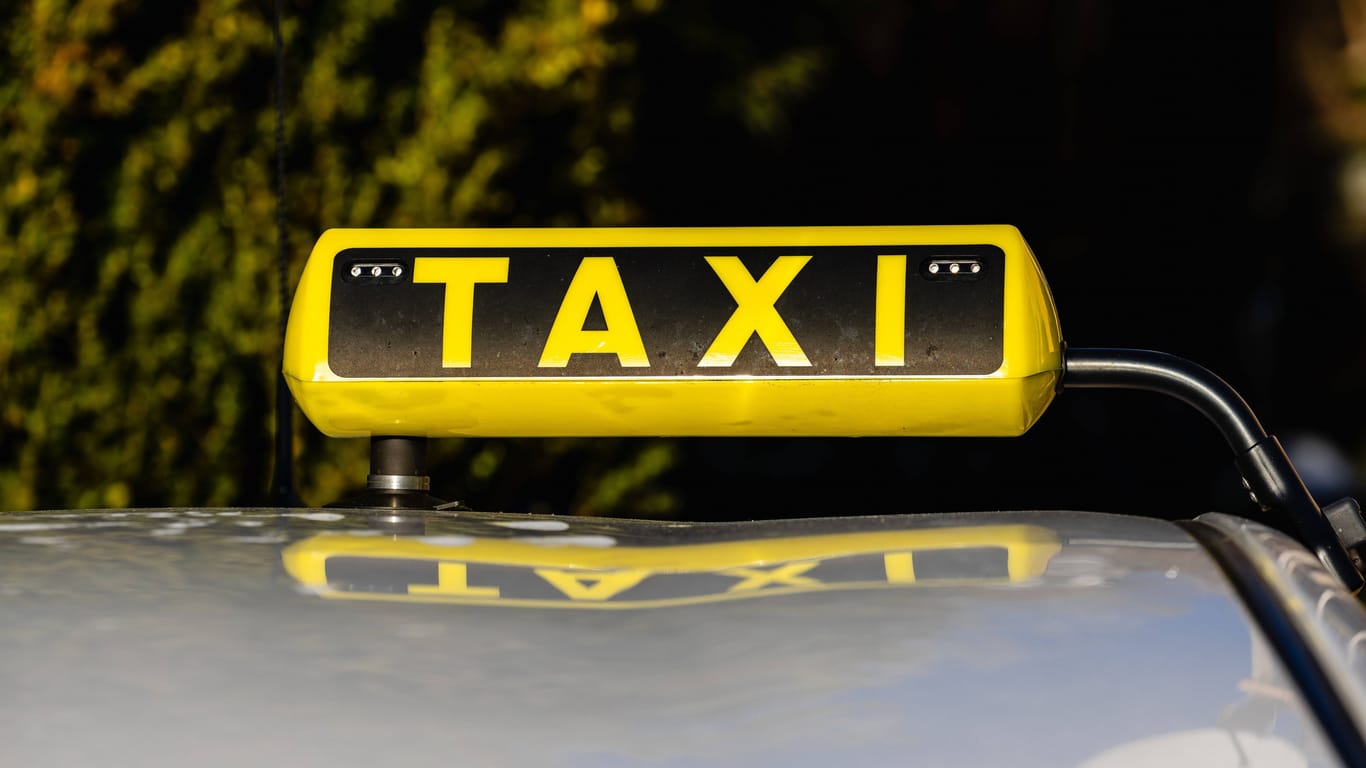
[(383, 324)]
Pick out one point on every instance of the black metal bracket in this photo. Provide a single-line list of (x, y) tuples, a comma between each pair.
[(1259, 457)]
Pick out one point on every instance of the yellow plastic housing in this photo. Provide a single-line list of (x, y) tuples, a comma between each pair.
[(707, 402)]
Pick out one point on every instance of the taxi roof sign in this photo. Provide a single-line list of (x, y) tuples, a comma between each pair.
[(935, 331)]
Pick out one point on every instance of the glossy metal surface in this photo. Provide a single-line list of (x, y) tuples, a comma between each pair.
[(180, 637), (1331, 620)]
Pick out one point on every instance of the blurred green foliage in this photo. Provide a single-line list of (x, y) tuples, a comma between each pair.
[(139, 336)]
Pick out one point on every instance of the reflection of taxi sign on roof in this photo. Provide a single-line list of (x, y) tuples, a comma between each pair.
[(591, 573), (757, 331), (401, 335)]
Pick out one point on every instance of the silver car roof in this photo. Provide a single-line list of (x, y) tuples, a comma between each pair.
[(158, 637)]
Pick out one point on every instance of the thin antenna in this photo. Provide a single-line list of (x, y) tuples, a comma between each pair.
[(282, 491)]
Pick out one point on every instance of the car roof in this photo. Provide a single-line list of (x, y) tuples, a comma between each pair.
[(157, 634)]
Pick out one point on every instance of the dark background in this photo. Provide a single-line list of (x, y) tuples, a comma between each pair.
[(1164, 162)]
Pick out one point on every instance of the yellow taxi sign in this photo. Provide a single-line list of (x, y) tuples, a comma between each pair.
[(590, 572), (715, 331)]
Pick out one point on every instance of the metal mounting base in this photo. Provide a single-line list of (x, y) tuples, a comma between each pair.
[(398, 476)]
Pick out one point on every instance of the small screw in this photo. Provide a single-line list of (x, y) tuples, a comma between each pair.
[(376, 271), (953, 268), (397, 271), (976, 268), (934, 269), (355, 271)]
